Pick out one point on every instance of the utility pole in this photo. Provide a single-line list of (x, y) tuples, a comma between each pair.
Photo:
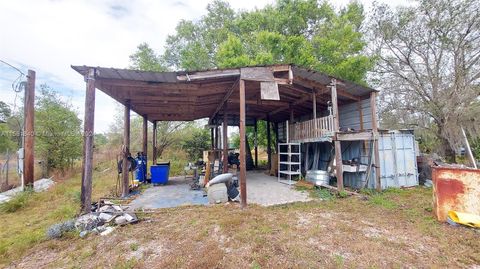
[(29, 130)]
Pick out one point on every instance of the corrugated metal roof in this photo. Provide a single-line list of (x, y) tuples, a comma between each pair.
[(188, 95), (324, 79)]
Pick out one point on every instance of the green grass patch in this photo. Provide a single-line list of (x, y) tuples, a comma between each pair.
[(382, 201), (18, 202)]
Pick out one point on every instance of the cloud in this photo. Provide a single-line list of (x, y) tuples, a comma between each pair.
[(49, 36)]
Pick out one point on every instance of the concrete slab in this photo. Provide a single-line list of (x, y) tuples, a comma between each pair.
[(176, 193), (261, 189), (266, 190)]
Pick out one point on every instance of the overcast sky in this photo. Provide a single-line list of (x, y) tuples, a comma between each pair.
[(50, 35)]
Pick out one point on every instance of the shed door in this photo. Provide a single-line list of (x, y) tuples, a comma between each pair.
[(398, 165)]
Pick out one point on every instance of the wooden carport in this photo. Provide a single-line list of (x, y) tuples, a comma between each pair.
[(225, 96)]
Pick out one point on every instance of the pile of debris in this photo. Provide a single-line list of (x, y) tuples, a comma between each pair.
[(104, 215)]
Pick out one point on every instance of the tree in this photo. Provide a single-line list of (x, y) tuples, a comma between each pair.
[(429, 68), (58, 138), (197, 140), (146, 59), (6, 142), (302, 32), (5, 111)]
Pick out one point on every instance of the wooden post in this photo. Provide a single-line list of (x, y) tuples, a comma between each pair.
[(154, 143), (225, 142), (212, 138), (126, 150), (216, 136), (256, 144), (314, 101), (275, 131), (88, 134), (243, 169), (29, 131), (338, 146), (360, 112), (145, 135), (269, 144), (373, 104)]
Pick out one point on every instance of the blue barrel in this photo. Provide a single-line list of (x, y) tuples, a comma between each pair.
[(160, 172), (141, 172)]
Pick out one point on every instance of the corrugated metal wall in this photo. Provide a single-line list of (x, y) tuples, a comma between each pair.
[(350, 117), (397, 160)]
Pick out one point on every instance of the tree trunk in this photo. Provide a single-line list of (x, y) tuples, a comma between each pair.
[(447, 150)]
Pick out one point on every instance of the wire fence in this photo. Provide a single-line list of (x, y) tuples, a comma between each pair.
[(9, 178)]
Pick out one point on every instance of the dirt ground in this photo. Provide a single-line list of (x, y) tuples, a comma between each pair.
[(395, 229)]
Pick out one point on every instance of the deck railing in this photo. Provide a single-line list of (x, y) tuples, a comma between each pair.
[(314, 129)]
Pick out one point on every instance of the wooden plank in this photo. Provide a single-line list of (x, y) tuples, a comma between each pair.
[(126, 150), (225, 142), (256, 74), (88, 134), (225, 98), (154, 143), (373, 104), (360, 112), (256, 143), (145, 135), (338, 147), (269, 144), (280, 109), (357, 136), (243, 169), (29, 131)]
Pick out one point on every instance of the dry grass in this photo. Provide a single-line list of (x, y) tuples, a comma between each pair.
[(26, 217), (394, 229)]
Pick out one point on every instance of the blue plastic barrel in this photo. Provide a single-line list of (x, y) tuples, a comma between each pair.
[(160, 172), (141, 172)]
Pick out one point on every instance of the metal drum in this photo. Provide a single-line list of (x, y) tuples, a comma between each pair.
[(318, 177)]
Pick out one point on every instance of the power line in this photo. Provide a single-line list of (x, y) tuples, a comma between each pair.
[(13, 67)]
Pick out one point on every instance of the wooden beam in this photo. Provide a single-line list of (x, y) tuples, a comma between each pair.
[(225, 142), (269, 144), (313, 84), (360, 136), (88, 134), (280, 109), (212, 139), (373, 104), (256, 143), (216, 137), (154, 143), (145, 135), (29, 131), (126, 150), (360, 114), (338, 146), (225, 98), (243, 162)]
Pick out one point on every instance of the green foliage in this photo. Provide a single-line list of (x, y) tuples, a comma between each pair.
[(5, 111), (196, 141), (145, 58), (58, 138), (100, 140), (324, 194), (16, 203), (6, 141), (302, 32)]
